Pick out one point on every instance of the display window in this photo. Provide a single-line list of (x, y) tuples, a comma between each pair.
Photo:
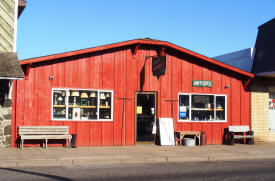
[(82, 105), (202, 107)]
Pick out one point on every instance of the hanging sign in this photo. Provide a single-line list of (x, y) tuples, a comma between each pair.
[(202, 83), (159, 65)]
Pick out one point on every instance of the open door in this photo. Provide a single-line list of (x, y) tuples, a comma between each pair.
[(145, 116)]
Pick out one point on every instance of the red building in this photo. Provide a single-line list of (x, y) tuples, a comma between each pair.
[(112, 94)]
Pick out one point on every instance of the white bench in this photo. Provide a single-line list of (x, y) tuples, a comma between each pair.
[(44, 133), (239, 132)]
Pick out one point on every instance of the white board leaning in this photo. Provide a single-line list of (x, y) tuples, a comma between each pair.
[(166, 129)]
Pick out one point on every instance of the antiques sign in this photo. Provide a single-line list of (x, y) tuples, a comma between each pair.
[(159, 65), (202, 83)]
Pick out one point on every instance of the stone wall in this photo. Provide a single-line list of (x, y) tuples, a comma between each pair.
[(5, 112), (5, 126)]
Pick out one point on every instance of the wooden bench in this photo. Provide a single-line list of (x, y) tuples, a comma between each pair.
[(238, 133), (44, 133)]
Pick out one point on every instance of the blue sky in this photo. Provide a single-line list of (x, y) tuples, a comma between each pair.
[(208, 27)]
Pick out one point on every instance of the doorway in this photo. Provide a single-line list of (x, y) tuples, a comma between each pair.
[(146, 113)]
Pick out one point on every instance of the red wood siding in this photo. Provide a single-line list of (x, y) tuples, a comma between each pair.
[(120, 71)]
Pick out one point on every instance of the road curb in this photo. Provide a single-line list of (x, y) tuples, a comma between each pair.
[(102, 159)]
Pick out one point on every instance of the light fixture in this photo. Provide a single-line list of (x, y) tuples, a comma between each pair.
[(227, 86), (75, 93), (107, 95), (102, 96), (84, 95), (92, 94)]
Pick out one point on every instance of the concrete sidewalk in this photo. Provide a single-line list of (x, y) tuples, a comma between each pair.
[(54, 156)]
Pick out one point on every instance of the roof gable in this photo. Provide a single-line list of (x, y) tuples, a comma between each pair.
[(145, 41)]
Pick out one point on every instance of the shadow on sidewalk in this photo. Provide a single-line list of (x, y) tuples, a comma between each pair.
[(37, 174)]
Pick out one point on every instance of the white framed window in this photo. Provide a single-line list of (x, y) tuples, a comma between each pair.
[(82, 104), (202, 107)]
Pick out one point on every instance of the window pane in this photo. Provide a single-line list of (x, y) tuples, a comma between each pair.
[(202, 108), (105, 105), (82, 105), (92, 114), (59, 104), (183, 107), (220, 108)]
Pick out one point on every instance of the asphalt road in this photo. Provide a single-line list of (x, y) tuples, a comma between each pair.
[(230, 170)]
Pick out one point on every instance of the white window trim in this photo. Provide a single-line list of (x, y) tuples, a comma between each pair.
[(67, 103), (190, 108)]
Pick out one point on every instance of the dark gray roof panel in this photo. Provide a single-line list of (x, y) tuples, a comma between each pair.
[(264, 60), (9, 66)]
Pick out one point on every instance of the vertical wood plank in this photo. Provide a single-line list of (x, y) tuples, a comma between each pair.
[(58, 81), (83, 82), (235, 102), (44, 95), (141, 69), (108, 77), (31, 98), (245, 106), (217, 80), (70, 68), (20, 102), (197, 75), (216, 133), (120, 92), (95, 83), (13, 119), (176, 88), (147, 69), (153, 82), (186, 76), (227, 91), (206, 73), (132, 79), (207, 128), (165, 92)]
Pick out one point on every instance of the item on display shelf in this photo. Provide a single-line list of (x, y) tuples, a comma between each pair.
[(76, 113), (60, 100), (153, 111), (55, 99)]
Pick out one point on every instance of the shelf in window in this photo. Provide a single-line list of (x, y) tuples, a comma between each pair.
[(58, 105), (104, 107), (205, 109), (201, 109), (77, 106)]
